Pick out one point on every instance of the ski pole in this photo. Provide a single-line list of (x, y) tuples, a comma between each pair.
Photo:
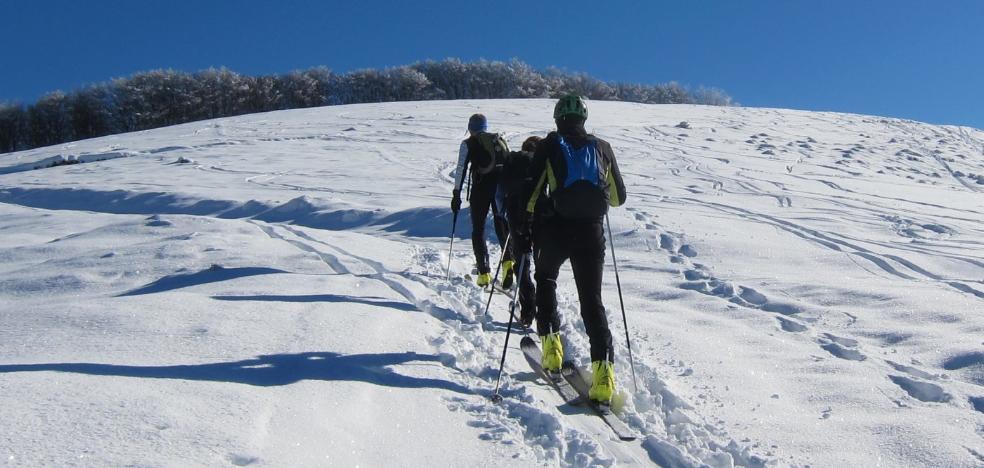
[(618, 283), (454, 225), (496, 277), (496, 398), (454, 222)]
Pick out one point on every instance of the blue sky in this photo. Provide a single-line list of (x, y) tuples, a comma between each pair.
[(911, 59)]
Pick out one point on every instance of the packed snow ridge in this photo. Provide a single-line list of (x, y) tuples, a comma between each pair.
[(800, 288)]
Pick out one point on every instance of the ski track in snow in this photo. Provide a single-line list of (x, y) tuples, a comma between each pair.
[(810, 187), (571, 446)]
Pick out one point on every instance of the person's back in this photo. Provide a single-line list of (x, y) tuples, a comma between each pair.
[(583, 175), (514, 177)]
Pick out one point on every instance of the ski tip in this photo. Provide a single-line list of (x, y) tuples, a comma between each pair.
[(526, 341)]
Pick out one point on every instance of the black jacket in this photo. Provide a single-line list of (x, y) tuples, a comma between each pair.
[(548, 171)]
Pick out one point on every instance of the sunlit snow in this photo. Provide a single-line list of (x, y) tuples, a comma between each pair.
[(801, 288)]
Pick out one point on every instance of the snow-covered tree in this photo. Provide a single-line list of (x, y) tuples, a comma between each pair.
[(167, 97), (49, 120), (712, 97), (13, 124), (92, 111)]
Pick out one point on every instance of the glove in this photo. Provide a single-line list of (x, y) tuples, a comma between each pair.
[(455, 200)]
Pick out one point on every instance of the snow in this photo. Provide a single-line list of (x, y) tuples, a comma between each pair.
[(801, 288)]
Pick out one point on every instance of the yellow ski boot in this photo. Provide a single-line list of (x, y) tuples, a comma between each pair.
[(484, 279), (603, 382), (553, 353), (507, 274)]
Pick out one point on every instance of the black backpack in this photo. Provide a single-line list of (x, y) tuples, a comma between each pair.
[(584, 193), (489, 153), (515, 172)]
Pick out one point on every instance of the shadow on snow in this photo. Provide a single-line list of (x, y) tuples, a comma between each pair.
[(301, 211), (374, 301), (271, 370), (211, 275)]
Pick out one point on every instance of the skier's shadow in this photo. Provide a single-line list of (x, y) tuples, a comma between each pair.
[(271, 370)]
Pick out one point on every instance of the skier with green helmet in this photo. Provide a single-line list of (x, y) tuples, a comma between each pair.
[(574, 178)]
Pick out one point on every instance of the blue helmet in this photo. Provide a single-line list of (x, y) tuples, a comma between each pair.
[(477, 123)]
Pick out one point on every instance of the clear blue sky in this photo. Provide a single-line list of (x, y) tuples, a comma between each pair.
[(902, 58)]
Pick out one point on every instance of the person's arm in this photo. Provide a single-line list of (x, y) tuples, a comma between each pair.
[(459, 170), (616, 197), (540, 174)]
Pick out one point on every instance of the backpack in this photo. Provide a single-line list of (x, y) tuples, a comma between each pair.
[(584, 193), (489, 153), (514, 173)]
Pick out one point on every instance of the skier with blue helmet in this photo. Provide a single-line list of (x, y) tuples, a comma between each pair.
[(484, 152)]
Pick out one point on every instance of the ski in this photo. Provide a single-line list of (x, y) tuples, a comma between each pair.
[(576, 379), (533, 355), (507, 292)]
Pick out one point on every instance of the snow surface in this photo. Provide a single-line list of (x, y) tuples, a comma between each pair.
[(269, 290)]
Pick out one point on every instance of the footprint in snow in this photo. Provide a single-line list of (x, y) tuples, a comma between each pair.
[(970, 366), (791, 326), (913, 371), (977, 403), (242, 460), (843, 348), (688, 250), (843, 352), (922, 391)]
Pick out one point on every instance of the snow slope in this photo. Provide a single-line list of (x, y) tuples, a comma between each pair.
[(269, 290)]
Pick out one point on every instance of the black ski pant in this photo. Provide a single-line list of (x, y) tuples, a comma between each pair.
[(483, 198), (583, 243), (520, 247)]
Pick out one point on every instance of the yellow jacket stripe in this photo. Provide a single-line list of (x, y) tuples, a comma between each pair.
[(612, 191), (550, 179)]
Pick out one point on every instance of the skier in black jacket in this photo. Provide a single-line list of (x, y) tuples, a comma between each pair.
[(574, 178), (513, 181), (483, 187)]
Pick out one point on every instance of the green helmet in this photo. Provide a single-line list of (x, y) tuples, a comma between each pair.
[(570, 104)]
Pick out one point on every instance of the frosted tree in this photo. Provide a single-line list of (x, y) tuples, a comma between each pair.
[(167, 97), (222, 92), (308, 88), (265, 94), (712, 97), (49, 120), (93, 111), (13, 125)]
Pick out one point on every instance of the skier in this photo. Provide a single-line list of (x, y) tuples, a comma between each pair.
[(484, 152), (583, 180), (512, 181)]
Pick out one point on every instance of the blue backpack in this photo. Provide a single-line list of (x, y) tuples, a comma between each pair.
[(584, 192)]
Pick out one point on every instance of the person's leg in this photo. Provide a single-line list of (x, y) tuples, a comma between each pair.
[(527, 291), (550, 255), (501, 225), (588, 264), (481, 199)]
